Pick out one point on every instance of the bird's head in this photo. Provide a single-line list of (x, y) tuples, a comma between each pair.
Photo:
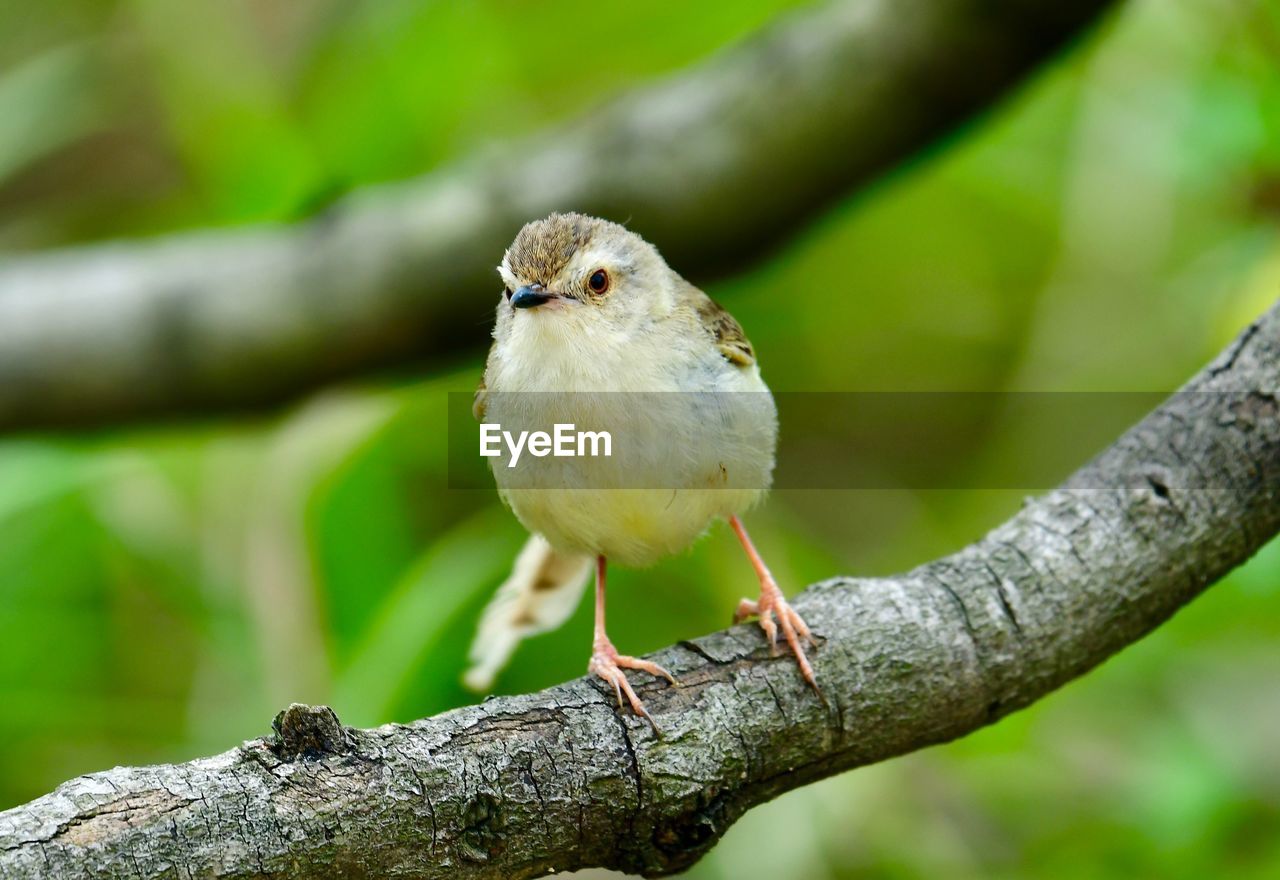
[(571, 271)]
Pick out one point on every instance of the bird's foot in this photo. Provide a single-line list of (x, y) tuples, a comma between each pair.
[(607, 663), (772, 604)]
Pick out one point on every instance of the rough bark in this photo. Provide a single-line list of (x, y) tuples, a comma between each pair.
[(523, 786), (713, 165)]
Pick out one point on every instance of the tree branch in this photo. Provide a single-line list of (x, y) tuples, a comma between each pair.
[(713, 166), (521, 786)]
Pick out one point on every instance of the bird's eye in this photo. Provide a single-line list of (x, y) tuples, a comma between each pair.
[(599, 281)]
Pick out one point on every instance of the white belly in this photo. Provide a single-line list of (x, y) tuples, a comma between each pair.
[(693, 440), (679, 460), (634, 527)]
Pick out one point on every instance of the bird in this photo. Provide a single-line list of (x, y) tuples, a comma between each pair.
[(594, 327)]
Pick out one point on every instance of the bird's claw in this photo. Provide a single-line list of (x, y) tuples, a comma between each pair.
[(608, 664), (774, 612)]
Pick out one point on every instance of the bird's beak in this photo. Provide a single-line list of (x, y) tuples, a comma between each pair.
[(529, 296)]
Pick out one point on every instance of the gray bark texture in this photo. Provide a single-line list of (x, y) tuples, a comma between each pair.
[(713, 165), (523, 786)]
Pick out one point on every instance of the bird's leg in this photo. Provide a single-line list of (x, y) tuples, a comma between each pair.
[(773, 604), (607, 663)]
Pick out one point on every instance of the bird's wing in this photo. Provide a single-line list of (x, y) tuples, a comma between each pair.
[(542, 591), (725, 331)]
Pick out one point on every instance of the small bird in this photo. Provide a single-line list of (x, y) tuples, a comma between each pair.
[(590, 309)]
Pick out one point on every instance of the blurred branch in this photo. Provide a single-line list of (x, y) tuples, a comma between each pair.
[(523, 786), (713, 165)]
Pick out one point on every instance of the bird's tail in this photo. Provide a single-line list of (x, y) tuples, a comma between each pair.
[(541, 593)]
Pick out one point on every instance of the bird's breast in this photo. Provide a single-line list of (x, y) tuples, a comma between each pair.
[(692, 438)]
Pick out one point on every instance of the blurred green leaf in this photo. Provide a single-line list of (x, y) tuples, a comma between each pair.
[(466, 560), (47, 102)]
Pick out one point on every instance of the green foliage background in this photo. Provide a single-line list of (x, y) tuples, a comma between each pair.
[(165, 589)]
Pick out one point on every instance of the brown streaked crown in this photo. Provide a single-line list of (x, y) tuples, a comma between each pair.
[(543, 247)]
